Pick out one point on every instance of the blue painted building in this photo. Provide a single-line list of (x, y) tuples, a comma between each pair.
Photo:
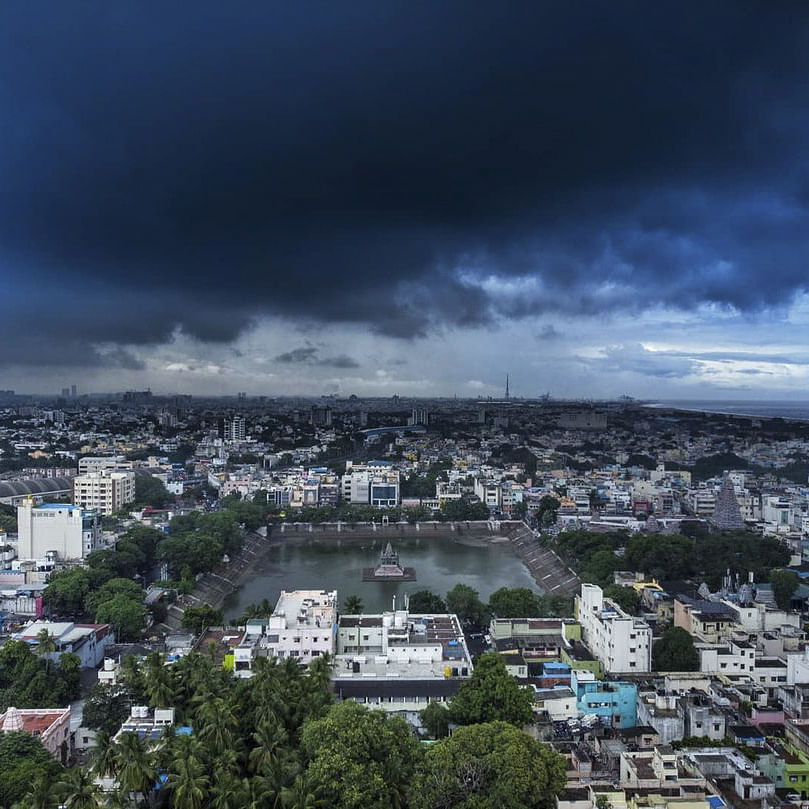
[(614, 702)]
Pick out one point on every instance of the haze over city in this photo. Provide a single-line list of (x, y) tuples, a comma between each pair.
[(406, 198)]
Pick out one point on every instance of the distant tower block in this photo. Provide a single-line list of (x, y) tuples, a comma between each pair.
[(506, 387), (727, 515)]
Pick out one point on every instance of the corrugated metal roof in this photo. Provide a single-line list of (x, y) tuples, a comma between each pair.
[(36, 486)]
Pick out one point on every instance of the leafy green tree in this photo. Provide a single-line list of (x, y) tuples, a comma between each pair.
[(514, 602), (41, 794), (490, 695), (66, 592), (198, 618), (489, 766), (125, 615), (547, 510), (110, 589), (435, 719), (464, 601), (675, 651), (784, 584), (106, 707), (149, 491), (23, 762), (352, 605), (425, 602), (360, 759), (627, 598)]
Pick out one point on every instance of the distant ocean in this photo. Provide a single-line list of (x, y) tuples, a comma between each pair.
[(758, 409)]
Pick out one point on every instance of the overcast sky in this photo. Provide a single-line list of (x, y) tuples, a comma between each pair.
[(375, 197)]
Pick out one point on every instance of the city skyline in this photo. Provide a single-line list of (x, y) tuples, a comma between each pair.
[(393, 199)]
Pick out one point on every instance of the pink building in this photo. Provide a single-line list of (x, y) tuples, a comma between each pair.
[(50, 725)]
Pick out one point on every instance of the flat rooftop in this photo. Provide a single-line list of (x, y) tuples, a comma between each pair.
[(302, 608)]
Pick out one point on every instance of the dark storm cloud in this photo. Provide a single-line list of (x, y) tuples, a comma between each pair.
[(309, 355), (297, 355), (398, 166)]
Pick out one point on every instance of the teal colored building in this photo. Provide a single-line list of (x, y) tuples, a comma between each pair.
[(614, 702)]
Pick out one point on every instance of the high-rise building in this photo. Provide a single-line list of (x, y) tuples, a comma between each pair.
[(419, 415), (56, 530), (73, 392), (232, 429), (320, 416), (105, 491)]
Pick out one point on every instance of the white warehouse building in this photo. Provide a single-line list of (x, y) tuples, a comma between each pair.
[(58, 531)]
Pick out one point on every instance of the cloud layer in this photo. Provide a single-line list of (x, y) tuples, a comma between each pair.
[(398, 168)]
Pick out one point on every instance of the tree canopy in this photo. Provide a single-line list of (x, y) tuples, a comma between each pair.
[(675, 651), (363, 759), (465, 602), (489, 766), (784, 584), (491, 694)]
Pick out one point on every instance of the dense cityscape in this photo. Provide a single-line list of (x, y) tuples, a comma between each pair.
[(404, 405), (655, 659)]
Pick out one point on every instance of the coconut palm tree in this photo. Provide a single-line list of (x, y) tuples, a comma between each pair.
[(104, 755), (42, 794), (271, 740), (80, 790), (46, 646), (218, 724), (226, 792), (352, 605), (136, 768), (188, 783), (301, 794)]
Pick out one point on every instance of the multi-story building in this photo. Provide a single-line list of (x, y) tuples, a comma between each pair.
[(706, 621), (232, 429), (375, 483), (56, 531), (103, 463), (615, 703), (400, 662), (105, 491), (621, 642), (301, 627)]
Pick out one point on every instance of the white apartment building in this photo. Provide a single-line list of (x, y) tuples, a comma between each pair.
[(303, 626), (103, 463), (375, 483), (622, 643), (732, 657), (56, 531), (488, 492), (105, 491)]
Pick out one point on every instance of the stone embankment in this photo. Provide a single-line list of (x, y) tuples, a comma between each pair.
[(214, 587), (548, 570)]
